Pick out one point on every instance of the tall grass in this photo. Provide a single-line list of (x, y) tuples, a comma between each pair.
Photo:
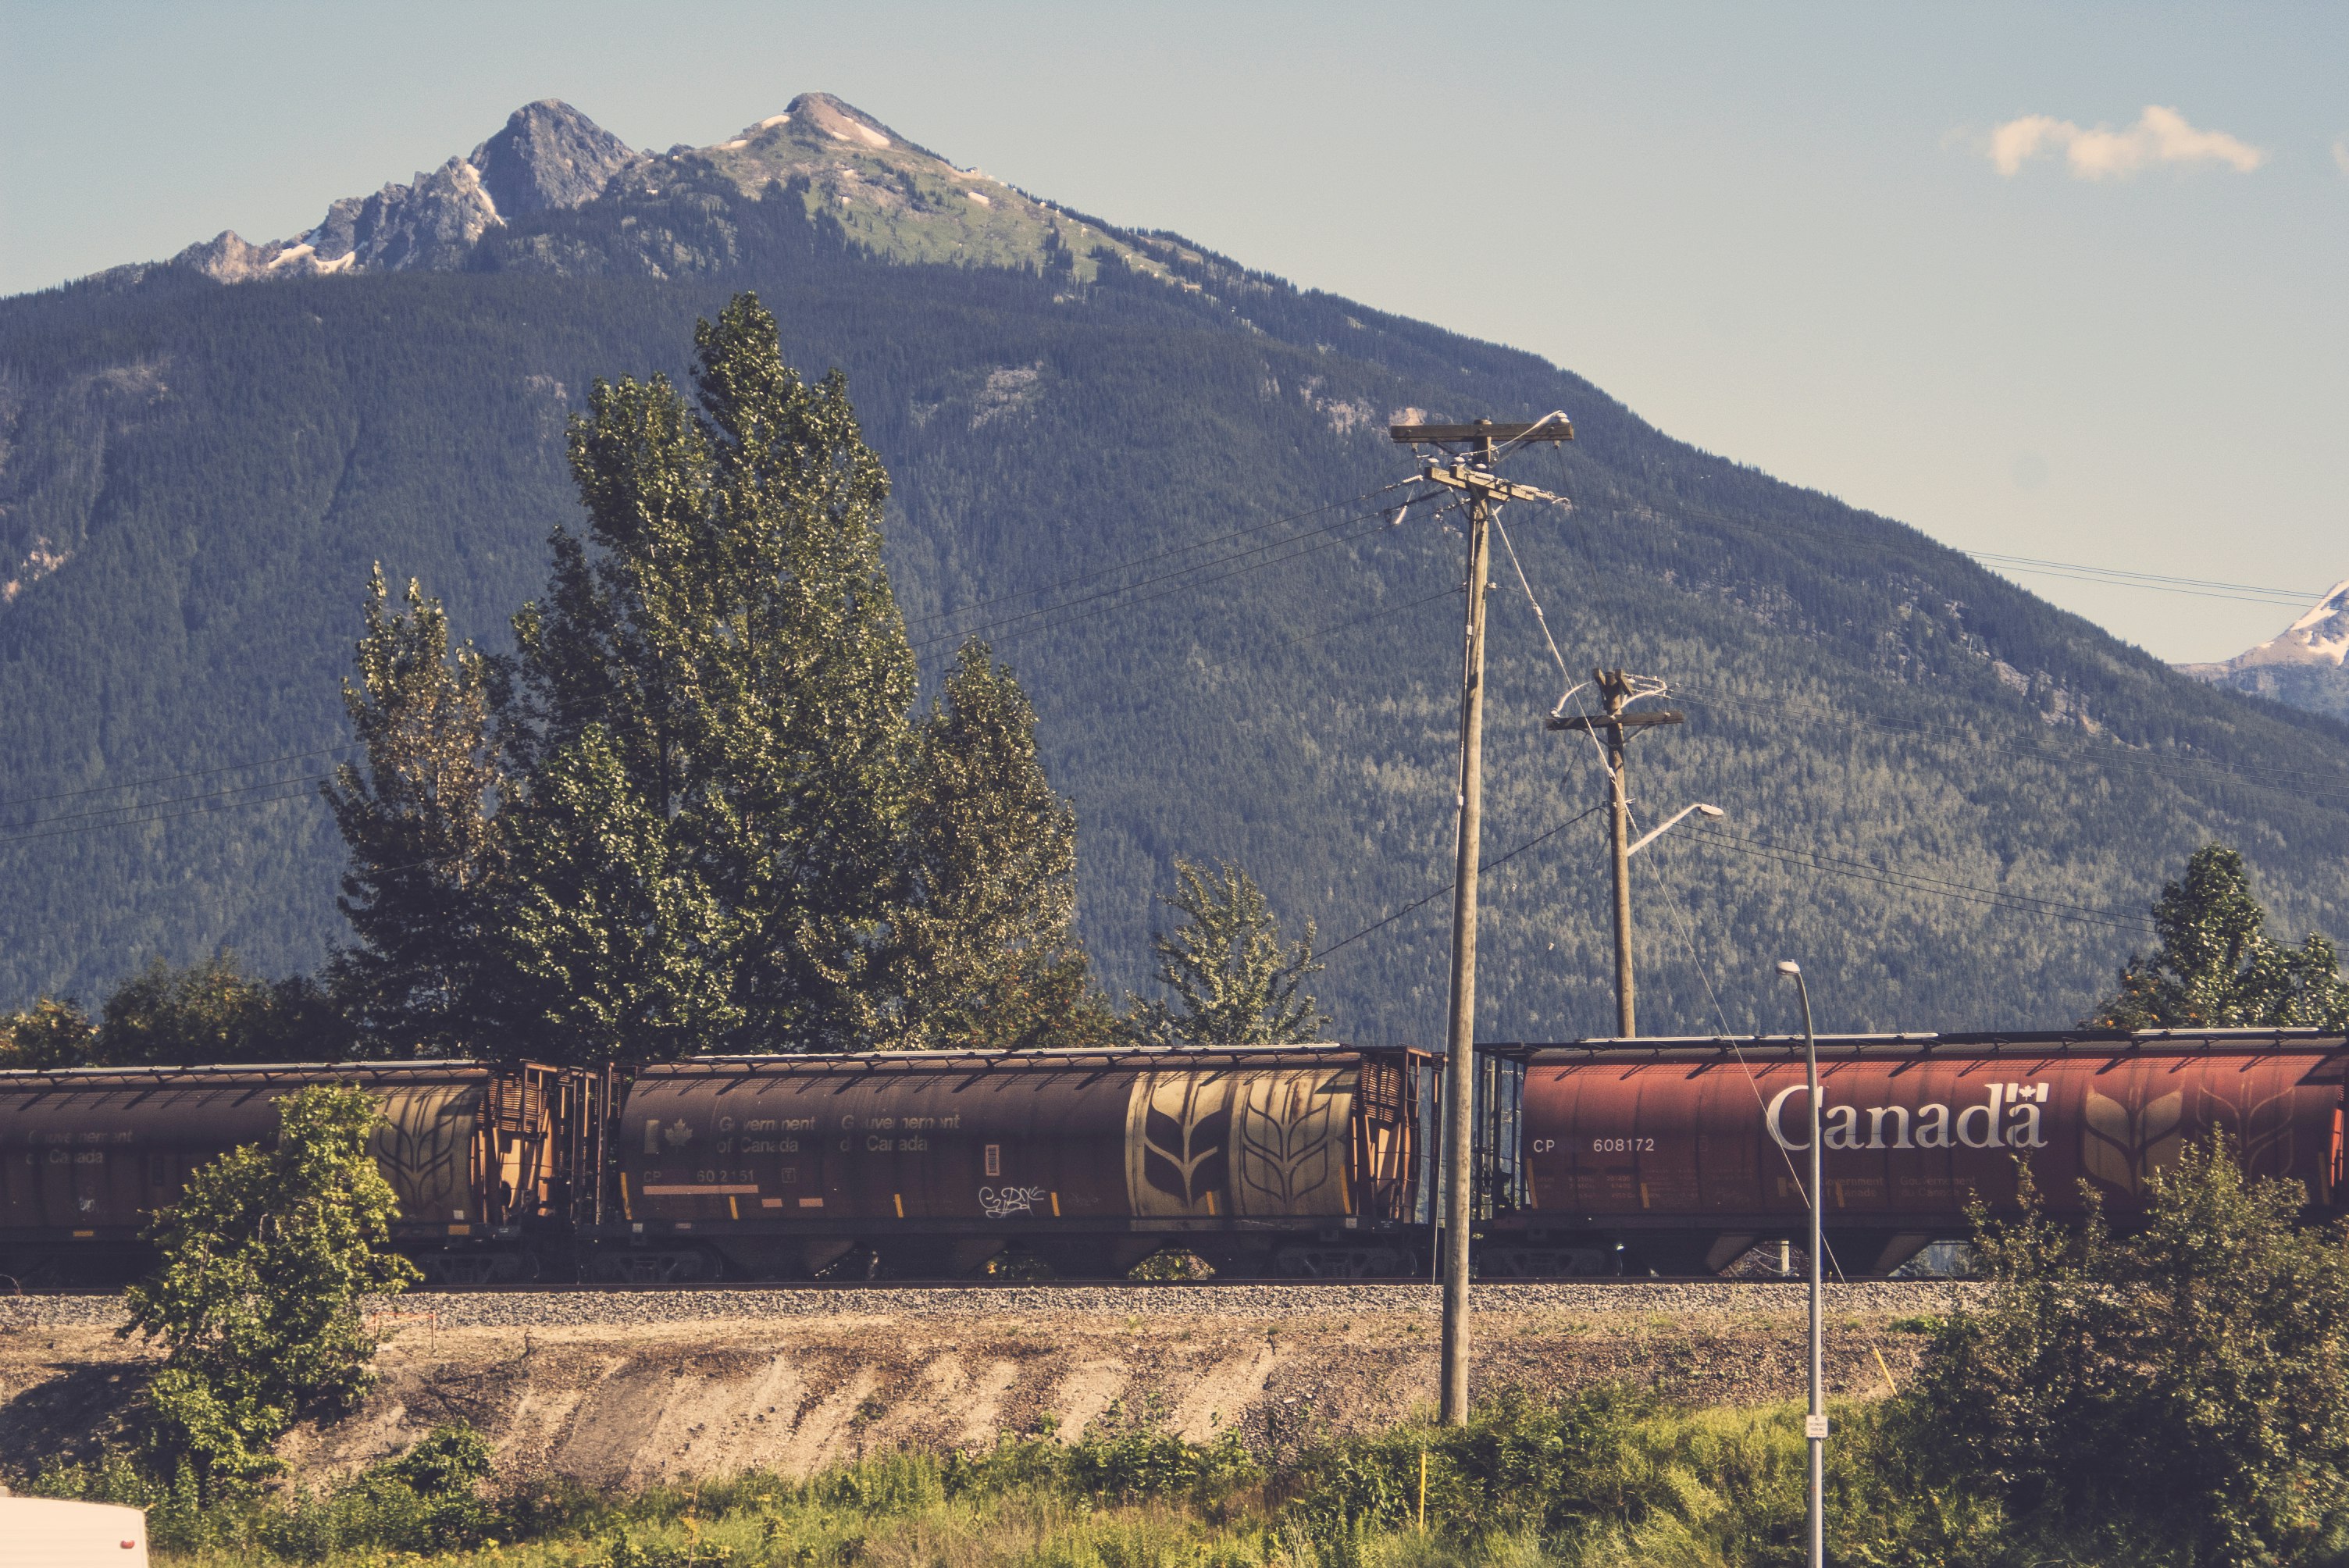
[(1604, 1479)]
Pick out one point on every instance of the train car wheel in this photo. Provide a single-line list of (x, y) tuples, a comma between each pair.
[(1097, 1257), (1596, 1260), (474, 1270), (649, 1266), (1338, 1263), (1670, 1256), (935, 1257)]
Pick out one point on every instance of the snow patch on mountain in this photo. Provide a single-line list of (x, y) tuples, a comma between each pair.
[(2306, 665), (2318, 637)]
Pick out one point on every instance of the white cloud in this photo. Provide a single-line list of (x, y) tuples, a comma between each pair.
[(2341, 153), (2160, 136)]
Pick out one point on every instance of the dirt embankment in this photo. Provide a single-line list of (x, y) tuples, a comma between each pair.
[(623, 1390)]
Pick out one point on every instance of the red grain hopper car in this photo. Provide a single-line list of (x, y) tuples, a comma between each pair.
[(1677, 1156)]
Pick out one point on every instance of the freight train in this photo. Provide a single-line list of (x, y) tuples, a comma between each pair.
[(1598, 1157)]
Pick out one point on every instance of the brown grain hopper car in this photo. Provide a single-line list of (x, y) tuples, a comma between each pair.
[(1677, 1156), (494, 1166), (1298, 1160)]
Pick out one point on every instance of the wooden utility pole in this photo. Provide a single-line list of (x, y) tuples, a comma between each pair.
[(1471, 474), (1615, 689)]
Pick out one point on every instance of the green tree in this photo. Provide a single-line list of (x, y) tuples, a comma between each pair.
[(986, 950), (718, 663), (49, 1034), (2178, 1395), (2218, 968), (617, 939), (1233, 983), (266, 1261), (214, 1012), (427, 852)]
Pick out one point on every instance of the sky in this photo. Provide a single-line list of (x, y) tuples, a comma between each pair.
[(2063, 283)]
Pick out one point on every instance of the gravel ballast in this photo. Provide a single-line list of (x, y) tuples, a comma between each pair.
[(564, 1308)]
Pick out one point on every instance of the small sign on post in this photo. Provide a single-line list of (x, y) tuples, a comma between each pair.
[(1814, 1428)]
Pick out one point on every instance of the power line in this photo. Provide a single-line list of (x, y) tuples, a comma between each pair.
[(1115, 589), (1501, 859), (1320, 632), (989, 631), (2311, 784), (166, 817), (1917, 882), (173, 778), (174, 801), (2123, 578), (2331, 783), (1684, 513), (1156, 555)]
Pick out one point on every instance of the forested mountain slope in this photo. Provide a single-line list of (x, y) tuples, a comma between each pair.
[(196, 475)]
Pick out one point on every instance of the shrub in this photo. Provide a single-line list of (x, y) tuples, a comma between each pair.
[(2178, 1394), (266, 1258)]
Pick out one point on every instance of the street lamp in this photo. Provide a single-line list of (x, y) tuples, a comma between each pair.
[(1815, 1425), (1652, 834)]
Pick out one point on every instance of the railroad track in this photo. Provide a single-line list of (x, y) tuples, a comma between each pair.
[(724, 1287)]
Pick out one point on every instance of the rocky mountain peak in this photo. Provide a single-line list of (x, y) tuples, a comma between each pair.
[(891, 196), (841, 122), (2307, 664), (2319, 637), (431, 223), (548, 155)]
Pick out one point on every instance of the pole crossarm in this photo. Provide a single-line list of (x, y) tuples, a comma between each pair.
[(1551, 430), (1617, 721), (1482, 483)]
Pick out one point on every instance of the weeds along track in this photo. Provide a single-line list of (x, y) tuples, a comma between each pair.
[(566, 1305)]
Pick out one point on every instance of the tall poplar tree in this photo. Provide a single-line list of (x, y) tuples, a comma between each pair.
[(709, 711), (986, 948), (692, 811), (427, 852), (1233, 981), (2218, 967)]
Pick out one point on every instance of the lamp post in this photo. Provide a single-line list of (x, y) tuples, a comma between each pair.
[(1815, 1425)]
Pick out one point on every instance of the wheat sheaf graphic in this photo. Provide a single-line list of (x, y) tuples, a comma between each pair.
[(2260, 1122), (416, 1146), (2122, 1149), (1285, 1141), (1185, 1154)]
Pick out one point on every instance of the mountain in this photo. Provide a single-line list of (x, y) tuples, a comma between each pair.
[(549, 158), (888, 195), (1159, 483), (2303, 665)]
